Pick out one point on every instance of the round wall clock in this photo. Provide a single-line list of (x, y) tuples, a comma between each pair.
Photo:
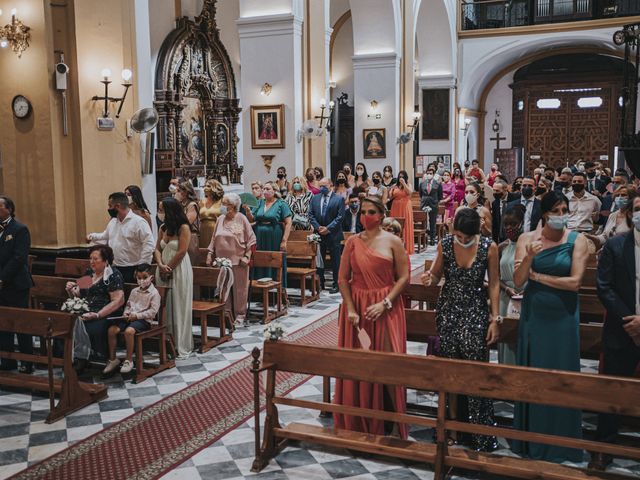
[(21, 106)]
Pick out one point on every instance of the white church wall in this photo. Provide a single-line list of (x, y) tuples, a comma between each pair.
[(342, 63), (499, 98)]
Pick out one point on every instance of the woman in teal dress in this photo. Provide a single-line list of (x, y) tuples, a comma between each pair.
[(269, 216), (551, 262)]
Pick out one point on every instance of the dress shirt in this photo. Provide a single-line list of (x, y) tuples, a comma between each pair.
[(528, 205), (144, 303), (581, 211), (636, 238), (324, 201), (354, 221), (4, 225), (130, 239)]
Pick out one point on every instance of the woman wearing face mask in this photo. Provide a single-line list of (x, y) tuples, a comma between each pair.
[(401, 207), (234, 239), (474, 199), (342, 188), (387, 177), (551, 263), (186, 196), (348, 171), (362, 177), (175, 271), (256, 190), (543, 187), (272, 226), (512, 222), (282, 183), (312, 183), (465, 325), (137, 203), (209, 210), (299, 201), (492, 175), (517, 184), (448, 195), (618, 221), (378, 189), (460, 184), (373, 274)]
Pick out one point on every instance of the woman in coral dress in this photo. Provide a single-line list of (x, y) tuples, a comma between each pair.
[(373, 274), (401, 207)]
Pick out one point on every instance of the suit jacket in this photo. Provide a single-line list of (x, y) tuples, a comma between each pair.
[(348, 217), (598, 184), (535, 212), (616, 282), (430, 199), (15, 243), (332, 218)]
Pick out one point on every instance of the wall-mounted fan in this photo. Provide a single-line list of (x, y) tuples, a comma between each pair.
[(310, 129), (142, 122)]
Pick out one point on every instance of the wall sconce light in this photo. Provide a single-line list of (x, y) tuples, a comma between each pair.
[(374, 106), (15, 35), (467, 124), (495, 126), (332, 84), (265, 90), (322, 117), (106, 81), (407, 136)]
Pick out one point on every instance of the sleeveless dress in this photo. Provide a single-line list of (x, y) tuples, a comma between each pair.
[(462, 320), (180, 301), (372, 278), (208, 217), (401, 208), (549, 337), (507, 352), (269, 232)]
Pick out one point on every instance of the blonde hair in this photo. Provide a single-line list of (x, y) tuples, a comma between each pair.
[(256, 182), (302, 182), (390, 224), (274, 187), (187, 187), (216, 187)]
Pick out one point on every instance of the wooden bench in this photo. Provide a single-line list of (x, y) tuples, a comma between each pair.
[(51, 291), (301, 266), (299, 235), (595, 393), (420, 229), (265, 259), (71, 267), (48, 325), (207, 278)]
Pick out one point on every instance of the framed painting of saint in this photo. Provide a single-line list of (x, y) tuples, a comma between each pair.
[(194, 148), (267, 126), (435, 114), (374, 143)]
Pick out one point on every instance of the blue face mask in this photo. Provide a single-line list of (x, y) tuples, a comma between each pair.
[(557, 222), (636, 220), (324, 190), (223, 210), (354, 207), (297, 187), (621, 202)]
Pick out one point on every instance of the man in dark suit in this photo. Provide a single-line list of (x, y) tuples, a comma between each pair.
[(351, 222), (15, 279), (531, 204), (501, 198), (617, 286), (430, 196), (594, 185), (326, 214)]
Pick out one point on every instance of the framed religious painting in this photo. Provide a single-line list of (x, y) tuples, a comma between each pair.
[(374, 142), (267, 126), (435, 114)]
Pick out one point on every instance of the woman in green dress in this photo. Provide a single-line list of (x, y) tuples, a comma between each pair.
[(272, 219), (551, 262)]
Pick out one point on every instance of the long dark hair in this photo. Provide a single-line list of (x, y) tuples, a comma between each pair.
[(364, 176), (476, 186), (174, 216), (549, 200), (467, 221), (137, 198)]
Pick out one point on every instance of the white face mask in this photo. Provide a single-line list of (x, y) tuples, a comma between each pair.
[(173, 188), (130, 198), (429, 176), (471, 198), (145, 283), (161, 216), (469, 244)]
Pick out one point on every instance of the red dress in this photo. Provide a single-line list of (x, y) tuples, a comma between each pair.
[(372, 278), (401, 208)]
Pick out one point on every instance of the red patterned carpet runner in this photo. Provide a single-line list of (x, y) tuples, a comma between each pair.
[(154, 440)]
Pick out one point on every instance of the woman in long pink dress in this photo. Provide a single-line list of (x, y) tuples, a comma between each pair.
[(448, 194), (373, 273), (458, 181), (401, 207)]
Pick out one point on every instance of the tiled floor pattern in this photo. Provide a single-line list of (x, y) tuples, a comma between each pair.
[(26, 439)]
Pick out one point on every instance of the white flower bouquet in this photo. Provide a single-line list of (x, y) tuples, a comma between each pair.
[(75, 305), (313, 238), (222, 262), (274, 331)]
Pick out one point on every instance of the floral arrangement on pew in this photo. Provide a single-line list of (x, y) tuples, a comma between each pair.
[(274, 331), (313, 238), (225, 279), (76, 306), (221, 262)]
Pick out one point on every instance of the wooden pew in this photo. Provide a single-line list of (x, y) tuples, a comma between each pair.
[(273, 260), (207, 278), (420, 229), (595, 393), (51, 291), (71, 267), (49, 325), (301, 265)]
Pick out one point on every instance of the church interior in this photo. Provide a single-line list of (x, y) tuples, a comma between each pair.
[(228, 105)]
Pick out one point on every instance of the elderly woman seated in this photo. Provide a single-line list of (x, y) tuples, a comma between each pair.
[(105, 298), (233, 238)]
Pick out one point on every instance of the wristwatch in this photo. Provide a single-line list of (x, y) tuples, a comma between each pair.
[(387, 303), (498, 319)]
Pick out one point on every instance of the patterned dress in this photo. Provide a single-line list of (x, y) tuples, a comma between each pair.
[(299, 207), (462, 320)]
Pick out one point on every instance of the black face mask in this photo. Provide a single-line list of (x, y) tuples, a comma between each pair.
[(541, 191), (498, 195), (376, 181), (318, 176), (341, 181), (561, 184), (311, 177), (549, 177), (516, 187), (577, 187), (113, 213), (527, 191), (281, 176), (591, 174)]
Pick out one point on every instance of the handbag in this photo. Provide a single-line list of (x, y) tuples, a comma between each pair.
[(299, 220)]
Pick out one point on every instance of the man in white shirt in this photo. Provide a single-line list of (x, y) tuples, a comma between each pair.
[(584, 208), (128, 235)]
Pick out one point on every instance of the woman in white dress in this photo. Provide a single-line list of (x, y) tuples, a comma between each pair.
[(174, 270)]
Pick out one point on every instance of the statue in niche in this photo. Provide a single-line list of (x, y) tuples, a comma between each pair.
[(197, 146), (198, 61), (222, 143)]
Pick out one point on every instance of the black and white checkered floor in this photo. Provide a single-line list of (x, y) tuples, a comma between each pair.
[(25, 438)]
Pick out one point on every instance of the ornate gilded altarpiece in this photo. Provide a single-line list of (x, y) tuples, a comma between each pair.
[(195, 96)]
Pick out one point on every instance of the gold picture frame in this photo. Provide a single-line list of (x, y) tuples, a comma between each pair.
[(267, 126)]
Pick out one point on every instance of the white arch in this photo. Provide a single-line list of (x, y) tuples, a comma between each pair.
[(376, 26), (436, 38)]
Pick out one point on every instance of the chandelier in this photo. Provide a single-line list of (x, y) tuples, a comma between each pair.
[(15, 35)]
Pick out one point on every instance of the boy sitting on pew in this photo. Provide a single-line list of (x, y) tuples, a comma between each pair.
[(140, 311)]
